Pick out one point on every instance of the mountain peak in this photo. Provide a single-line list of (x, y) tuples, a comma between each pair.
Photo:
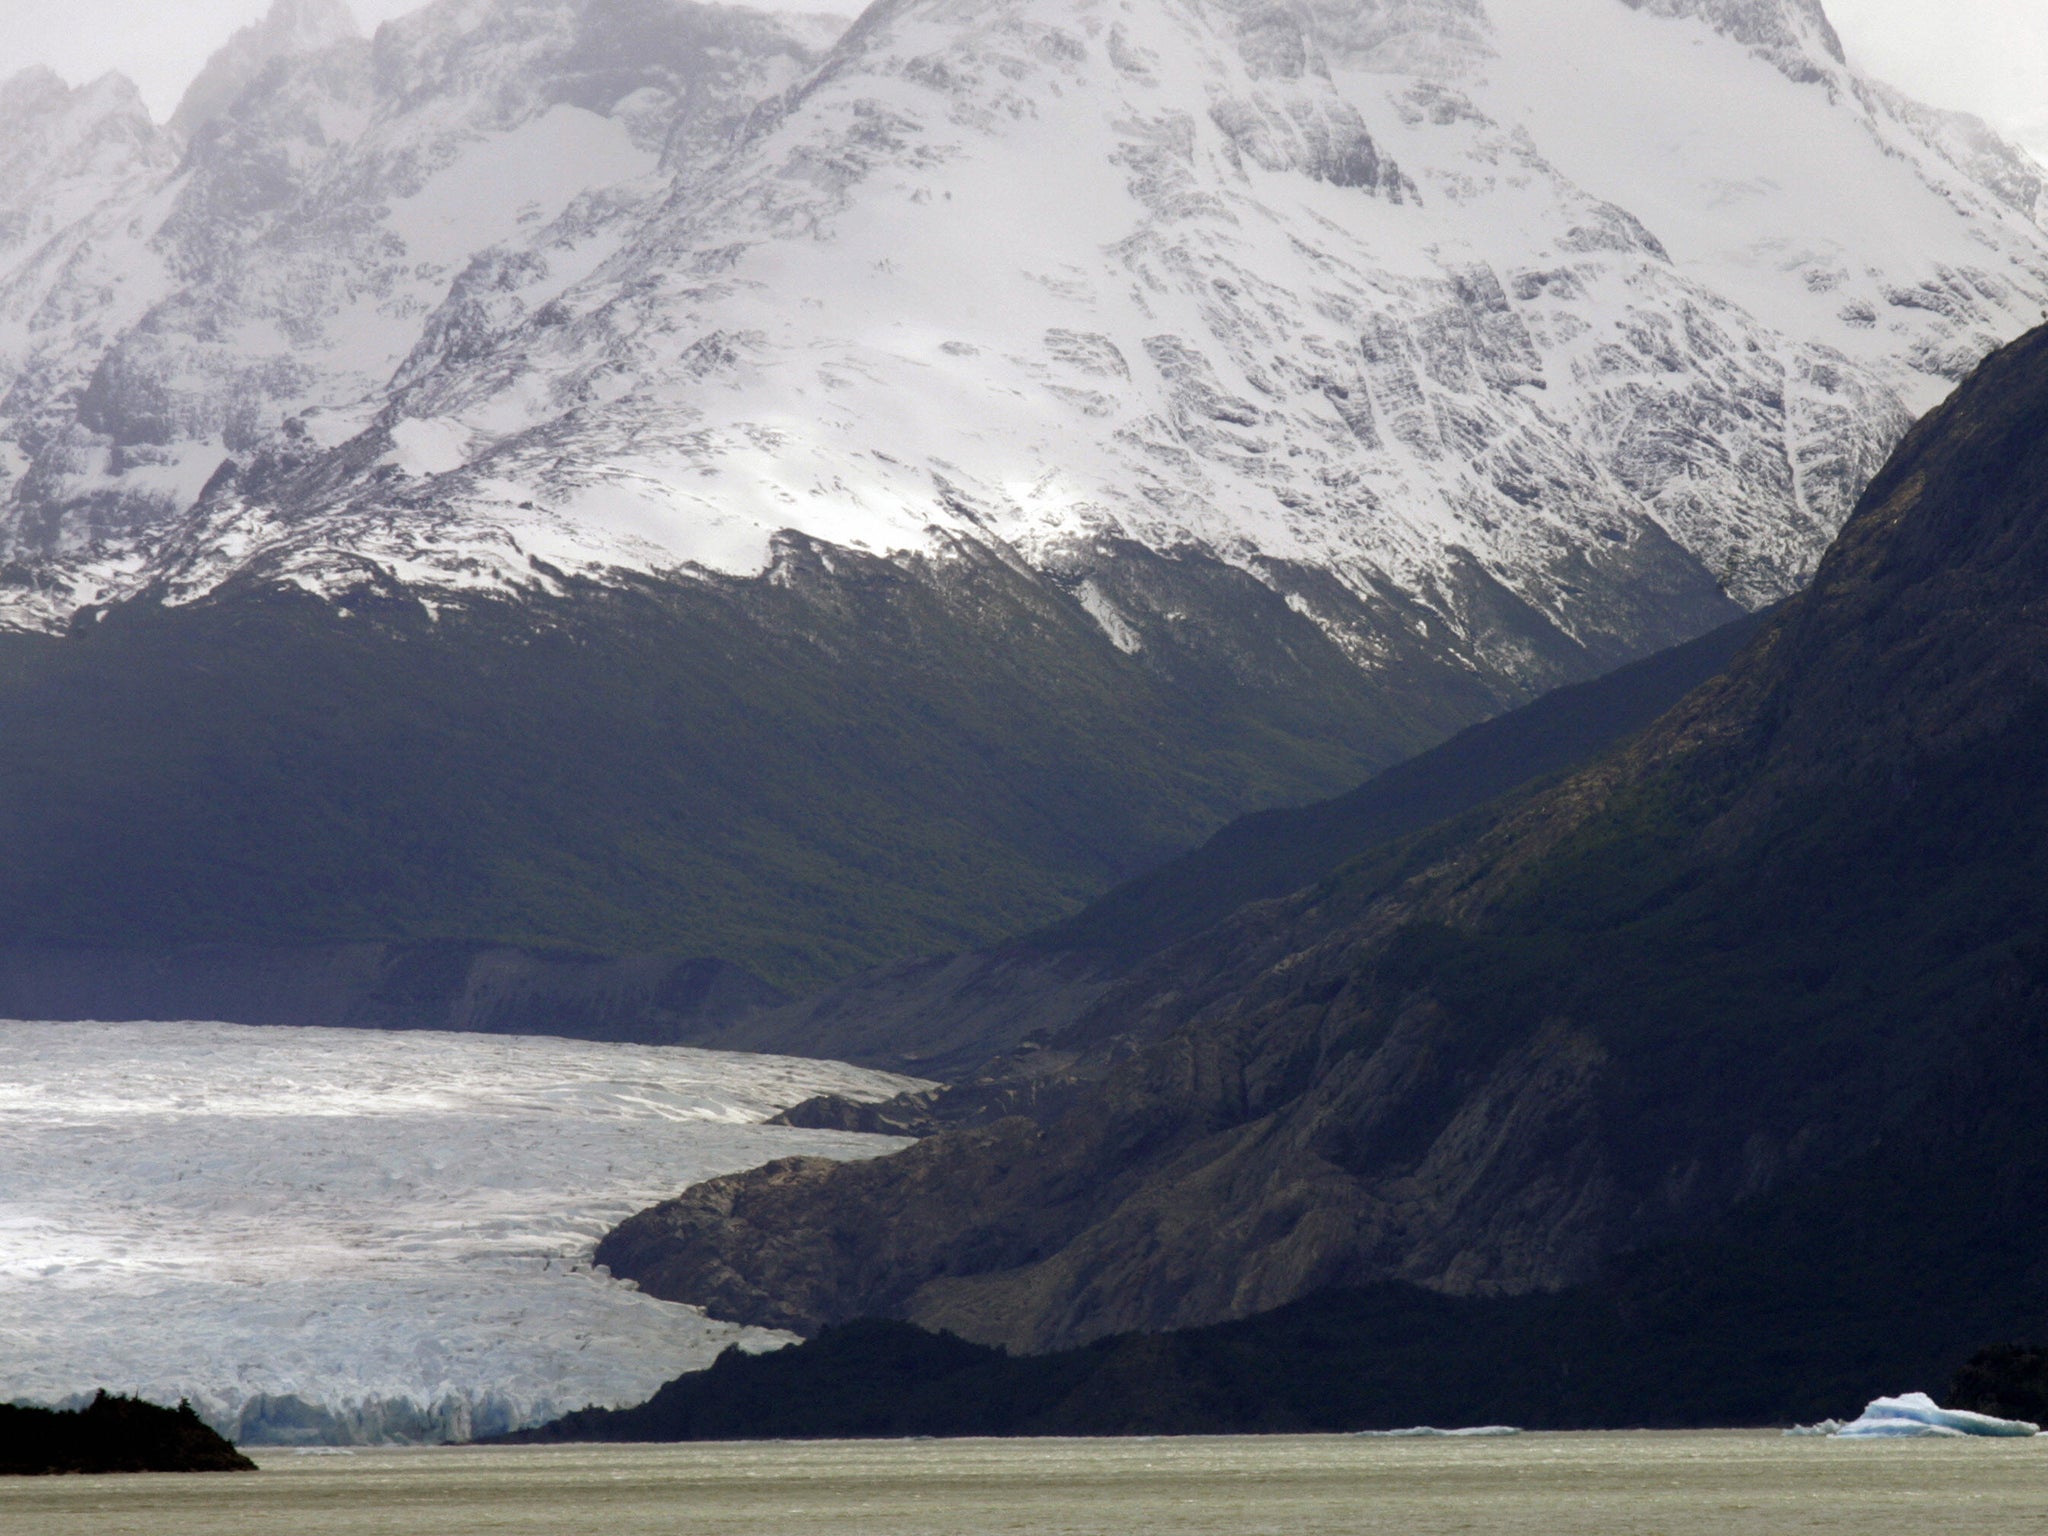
[(27, 87), (61, 144), (290, 27), (40, 92), (1501, 305)]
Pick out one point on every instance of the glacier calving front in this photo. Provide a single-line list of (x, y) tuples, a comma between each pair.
[(342, 1234)]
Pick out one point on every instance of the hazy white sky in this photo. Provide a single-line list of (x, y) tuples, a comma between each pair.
[(1989, 56), (1985, 56)]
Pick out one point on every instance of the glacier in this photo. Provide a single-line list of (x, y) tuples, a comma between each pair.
[(349, 1236)]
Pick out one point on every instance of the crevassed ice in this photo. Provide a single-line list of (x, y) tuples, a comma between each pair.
[(335, 1234)]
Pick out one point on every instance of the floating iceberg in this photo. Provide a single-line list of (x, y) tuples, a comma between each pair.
[(1424, 1432), (1916, 1416)]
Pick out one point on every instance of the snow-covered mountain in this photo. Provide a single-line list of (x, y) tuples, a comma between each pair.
[(168, 306), (1515, 328)]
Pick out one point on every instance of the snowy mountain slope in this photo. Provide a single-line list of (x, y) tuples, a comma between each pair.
[(76, 167), (264, 284), (395, 1230), (1603, 303)]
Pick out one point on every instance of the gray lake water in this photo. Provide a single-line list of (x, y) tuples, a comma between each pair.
[(1584, 1485)]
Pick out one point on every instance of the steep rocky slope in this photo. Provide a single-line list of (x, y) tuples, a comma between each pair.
[(1781, 954)]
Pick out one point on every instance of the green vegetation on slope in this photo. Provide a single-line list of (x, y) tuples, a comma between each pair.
[(803, 775), (1273, 852), (950, 1018)]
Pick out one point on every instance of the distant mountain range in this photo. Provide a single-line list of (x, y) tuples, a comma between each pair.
[(625, 475), (1706, 1076)]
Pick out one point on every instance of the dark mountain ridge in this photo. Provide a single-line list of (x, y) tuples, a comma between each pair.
[(1788, 936), (952, 1016)]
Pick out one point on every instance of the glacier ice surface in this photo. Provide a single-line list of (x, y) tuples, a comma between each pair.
[(325, 1234)]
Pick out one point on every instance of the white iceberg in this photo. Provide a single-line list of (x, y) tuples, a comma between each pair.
[(1916, 1416), (1424, 1432)]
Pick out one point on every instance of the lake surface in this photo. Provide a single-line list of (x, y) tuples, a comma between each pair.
[(1583, 1485)]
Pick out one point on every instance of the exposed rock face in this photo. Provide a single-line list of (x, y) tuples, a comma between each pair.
[(1787, 32), (1797, 921)]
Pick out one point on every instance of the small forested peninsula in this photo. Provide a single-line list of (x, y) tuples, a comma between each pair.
[(112, 1434)]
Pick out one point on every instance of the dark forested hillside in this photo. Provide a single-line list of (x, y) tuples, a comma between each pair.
[(839, 765), (111, 1434)]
